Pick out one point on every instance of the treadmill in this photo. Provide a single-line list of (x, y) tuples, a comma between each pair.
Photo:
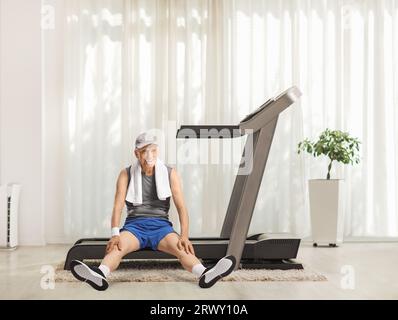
[(265, 251)]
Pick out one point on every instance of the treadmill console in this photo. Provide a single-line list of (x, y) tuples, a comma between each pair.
[(257, 111)]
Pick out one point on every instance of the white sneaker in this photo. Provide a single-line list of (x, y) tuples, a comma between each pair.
[(222, 268), (92, 275)]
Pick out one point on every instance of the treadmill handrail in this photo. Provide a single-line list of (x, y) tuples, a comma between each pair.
[(251, 123), (208, 132)]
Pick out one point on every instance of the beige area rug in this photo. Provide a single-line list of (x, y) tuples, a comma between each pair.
[(171, 271)]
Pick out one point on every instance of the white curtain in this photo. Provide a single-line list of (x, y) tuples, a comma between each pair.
[(132, 66)]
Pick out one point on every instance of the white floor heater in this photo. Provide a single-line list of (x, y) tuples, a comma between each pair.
[(9, 203)]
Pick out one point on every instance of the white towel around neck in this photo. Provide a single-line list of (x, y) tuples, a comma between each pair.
[(134, 191)]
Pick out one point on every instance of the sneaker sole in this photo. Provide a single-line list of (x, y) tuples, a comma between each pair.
[(204, 284), (83, 273)]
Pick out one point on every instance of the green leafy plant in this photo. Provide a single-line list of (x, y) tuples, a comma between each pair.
[(336, 145)]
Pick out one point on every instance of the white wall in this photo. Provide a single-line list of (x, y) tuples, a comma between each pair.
[(20, 111)]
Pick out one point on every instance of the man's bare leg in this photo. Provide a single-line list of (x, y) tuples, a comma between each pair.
[(128, 243), (169, 245), (207, 277), (96, 276)]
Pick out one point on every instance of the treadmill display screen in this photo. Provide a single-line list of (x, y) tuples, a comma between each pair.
[(255, 112)]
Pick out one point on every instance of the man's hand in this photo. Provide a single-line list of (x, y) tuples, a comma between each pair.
[(114, 241), (185, 244)]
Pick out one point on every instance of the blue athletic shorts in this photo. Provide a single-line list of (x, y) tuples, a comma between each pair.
[(149, 231)]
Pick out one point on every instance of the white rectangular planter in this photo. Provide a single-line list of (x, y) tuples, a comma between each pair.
[(327, 211)]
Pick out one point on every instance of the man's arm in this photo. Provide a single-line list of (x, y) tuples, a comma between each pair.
[(178, 199), (120, 196)]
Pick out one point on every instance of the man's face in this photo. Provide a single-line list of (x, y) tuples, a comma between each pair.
[(147, 155)]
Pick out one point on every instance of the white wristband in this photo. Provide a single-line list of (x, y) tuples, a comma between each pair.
[(115, 231)]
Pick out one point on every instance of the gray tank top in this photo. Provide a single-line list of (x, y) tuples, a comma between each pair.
[(151, 206)]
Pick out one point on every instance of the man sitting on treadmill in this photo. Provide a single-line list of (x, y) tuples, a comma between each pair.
[(146, 188)]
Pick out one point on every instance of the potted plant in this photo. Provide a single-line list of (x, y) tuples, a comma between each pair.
[(326, 195)]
